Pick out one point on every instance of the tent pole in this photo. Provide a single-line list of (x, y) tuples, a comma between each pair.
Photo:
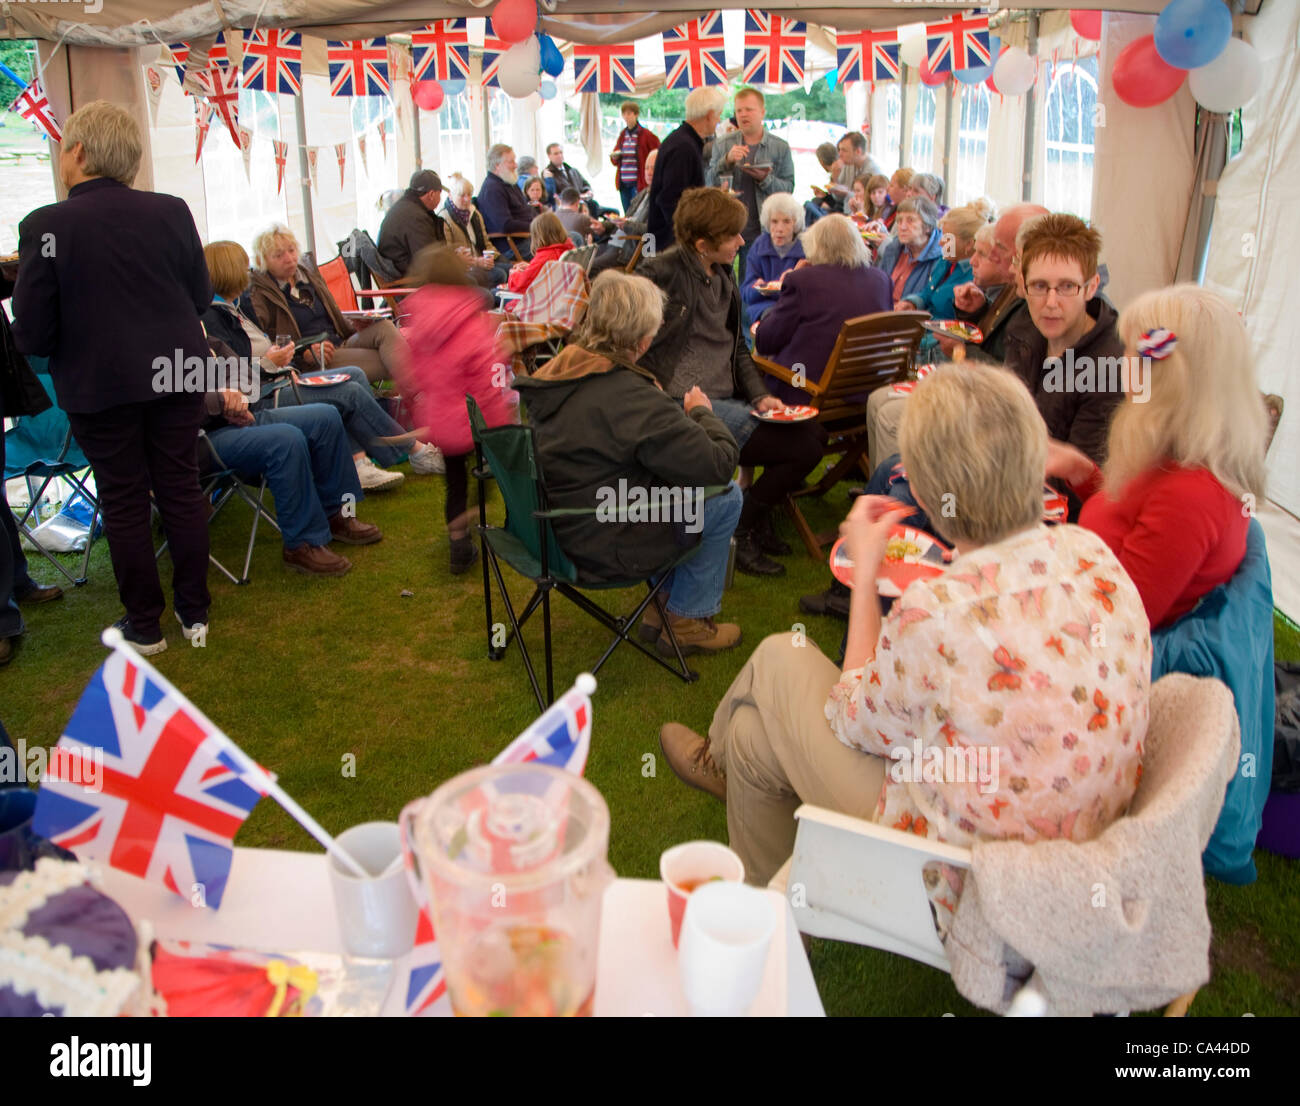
[(304, 173), (1031, 104), (904, 119), (415, 117), (1211, 156), (949, 99)]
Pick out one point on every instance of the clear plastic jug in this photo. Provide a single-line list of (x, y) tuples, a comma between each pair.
[(515, 860)]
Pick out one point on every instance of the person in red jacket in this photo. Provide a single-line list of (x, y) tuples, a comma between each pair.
[(1185, 454), (633, 145), (550, 242)]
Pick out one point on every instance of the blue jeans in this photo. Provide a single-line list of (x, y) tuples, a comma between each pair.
[(363, 418), (888, 479), (627, 193), (695, 588), (14, 579), (304, 454)]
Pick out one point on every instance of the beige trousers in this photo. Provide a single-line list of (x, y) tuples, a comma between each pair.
[(771, 737), (884, 413), (379, 350)]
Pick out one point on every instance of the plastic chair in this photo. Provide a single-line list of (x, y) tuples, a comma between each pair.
[(41, 449), (339, 281), (862, 882), (527, 543)]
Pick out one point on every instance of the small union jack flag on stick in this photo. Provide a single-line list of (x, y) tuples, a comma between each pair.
[(774, 49), (441, 51), (959, 42), (32, 104), (695, 53), (358, 68), (605, 68), (273, 61)]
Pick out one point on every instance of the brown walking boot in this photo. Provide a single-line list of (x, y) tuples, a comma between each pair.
[(698, 635), (688, 756)]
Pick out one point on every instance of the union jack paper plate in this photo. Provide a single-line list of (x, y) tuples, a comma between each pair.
[(910, 555), (1055, 505), (787, 414), (954, 328), (326, 378)]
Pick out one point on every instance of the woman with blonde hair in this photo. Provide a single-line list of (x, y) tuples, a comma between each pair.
[(1185, 455), (467, 233), (957, 230), (550, 242)]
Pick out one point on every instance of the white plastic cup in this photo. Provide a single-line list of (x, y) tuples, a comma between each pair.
[(377, 915), (726, 934)]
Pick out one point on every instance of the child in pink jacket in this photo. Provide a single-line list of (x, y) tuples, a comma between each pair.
[(454, 353)]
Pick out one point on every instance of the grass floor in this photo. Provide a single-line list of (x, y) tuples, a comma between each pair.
[(303, 672)]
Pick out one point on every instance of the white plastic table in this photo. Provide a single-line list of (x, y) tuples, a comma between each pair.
[(279, 901)]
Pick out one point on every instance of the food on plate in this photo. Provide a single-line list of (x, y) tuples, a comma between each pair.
[(899, 547)]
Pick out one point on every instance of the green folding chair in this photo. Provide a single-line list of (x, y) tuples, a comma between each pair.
[(527, 543)]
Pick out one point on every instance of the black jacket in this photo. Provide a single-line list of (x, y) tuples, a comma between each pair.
[(222, 324), (681, 278), (20, 391), (407, 228), (1080, 418), (680, 166), (598, 422), (109, 280), (504, 210)]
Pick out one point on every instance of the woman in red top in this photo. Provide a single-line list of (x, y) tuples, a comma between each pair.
[(1185, 457), (550, 241)]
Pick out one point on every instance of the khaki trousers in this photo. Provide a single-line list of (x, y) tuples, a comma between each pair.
[(378, 350), (770, 736), (884, 413)]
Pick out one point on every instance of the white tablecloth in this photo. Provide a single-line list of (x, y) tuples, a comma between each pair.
[(281, 902)]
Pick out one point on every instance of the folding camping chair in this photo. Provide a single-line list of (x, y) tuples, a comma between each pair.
[(339, 281), (535, 329), (872, 351), (527, 543), (41, 449), (220, 483)]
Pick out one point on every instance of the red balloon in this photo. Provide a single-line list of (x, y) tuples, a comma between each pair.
[(1142, 78), (514, 20), (1086, 24), (928, 76), (428, 95), (991, 86)]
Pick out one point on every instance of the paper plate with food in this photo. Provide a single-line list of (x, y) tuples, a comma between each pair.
[(1055, 505), (787, 414), (909, 555), (324, 379), (769, 287), (955, 329)]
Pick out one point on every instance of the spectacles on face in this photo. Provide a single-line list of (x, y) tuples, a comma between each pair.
[(1039, 289)]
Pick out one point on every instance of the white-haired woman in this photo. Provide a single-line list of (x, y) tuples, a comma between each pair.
[(995, 655), (774, 253), (957, 230), (834, 283), (1185, 453), (289, 296), (466, 231)]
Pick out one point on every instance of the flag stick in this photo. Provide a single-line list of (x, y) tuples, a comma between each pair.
[(112, 637)]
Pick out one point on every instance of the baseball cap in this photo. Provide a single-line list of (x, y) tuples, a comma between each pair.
[(425, 180)]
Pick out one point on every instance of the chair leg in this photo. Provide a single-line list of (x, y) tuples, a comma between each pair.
[(811, 541), (622, 627), (546, 638)]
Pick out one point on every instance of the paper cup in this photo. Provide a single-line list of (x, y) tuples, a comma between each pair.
[(695, 863), (726, 934), (377, 914)]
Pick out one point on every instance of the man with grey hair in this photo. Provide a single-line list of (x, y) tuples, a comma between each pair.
[(681, 162), (502, 205)]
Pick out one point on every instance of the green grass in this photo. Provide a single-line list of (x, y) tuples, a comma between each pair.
[(302, 672)]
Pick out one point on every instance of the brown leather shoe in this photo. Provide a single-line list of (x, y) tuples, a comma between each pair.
[(652, 621), (688, 756), (41, 594), (316, 560), (6, 650), (699, 635), (352, 531)]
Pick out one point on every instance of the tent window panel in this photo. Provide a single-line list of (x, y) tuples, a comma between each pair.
[(500, 116), (455, 143), (886, 154), (922, 155), (376, 172), (972, 143), (1071, 117), (239, 206)]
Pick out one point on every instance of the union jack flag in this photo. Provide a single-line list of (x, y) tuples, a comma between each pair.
[(959, 42), (774, 48), (358, 68), (173, 796), (605, 68), (561, 737), (220, 88), (493, 51), (695, 53), (443, 46), (866, 56), (180, 53), (31, 103), (273, 61), (281, 150)]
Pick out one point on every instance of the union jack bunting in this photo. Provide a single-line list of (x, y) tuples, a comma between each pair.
[(959, 42), (281, 160), (341, 152), (493, 51), (774, 49), (695, 53), (441, 51), (32, 104), (220, 87), (180, 53), (273, 61), (605, 68), (866, 56), (202, 123), (358, 68), (169, 796)]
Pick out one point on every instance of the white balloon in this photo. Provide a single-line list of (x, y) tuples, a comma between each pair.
[(1014, 72), (1230, 80), (911, 47), (518, 72)]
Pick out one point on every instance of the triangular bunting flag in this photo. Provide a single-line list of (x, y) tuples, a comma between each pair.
[(281, 159), (341, 152), (311, 164), (361, 149), (153, 82), (202, 121), (383, 136), (220, 87), (246, 148)]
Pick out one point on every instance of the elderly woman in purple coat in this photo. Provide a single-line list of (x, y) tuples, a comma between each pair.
[(834, 283), (774, 253)]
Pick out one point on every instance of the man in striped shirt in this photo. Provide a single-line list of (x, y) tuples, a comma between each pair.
[(631, 149)]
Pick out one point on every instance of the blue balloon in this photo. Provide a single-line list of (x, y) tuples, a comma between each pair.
[(978, 74), (552, 59), (547, 90), (1192, 33), (453, 87)]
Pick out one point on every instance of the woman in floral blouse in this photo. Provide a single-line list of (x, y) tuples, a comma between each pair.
[(1006, 697)]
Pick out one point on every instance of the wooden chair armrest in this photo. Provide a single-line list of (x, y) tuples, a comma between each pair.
[(785, 375)]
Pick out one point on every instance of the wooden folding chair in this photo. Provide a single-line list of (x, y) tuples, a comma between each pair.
[(872, 351), (513, 238), (639, 239)]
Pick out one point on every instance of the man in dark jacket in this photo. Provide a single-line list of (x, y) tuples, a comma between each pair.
[(700, 345), (111, 283), (502, 205), (413, 223), (681, 164)]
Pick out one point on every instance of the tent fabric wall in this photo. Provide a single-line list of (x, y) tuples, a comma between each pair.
[(1253, 242)]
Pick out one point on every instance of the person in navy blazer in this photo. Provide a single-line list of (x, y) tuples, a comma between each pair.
[(111, 283), (834, 283)]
